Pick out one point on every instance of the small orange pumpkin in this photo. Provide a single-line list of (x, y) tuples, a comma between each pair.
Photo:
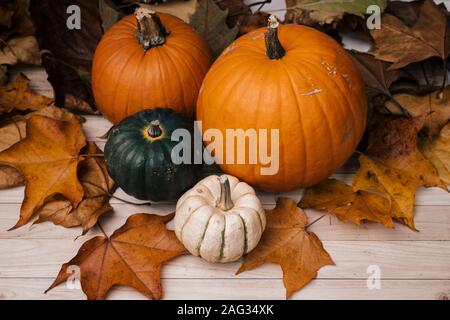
[(148, 61), (295, 79)]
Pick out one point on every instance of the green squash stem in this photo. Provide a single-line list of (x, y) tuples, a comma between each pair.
[(154, 130)]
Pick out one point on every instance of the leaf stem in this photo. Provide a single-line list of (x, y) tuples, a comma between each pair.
[(318, 219), (424, 72), (261, 4), (101, 229), (403, 110), (87, 155), (109, 194)]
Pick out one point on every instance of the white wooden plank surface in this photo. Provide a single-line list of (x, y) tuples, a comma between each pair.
[(258, 289), (38, 258), (413, 265), (433, 223)]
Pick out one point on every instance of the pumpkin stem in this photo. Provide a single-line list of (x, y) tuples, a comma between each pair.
[(154, 130), (225, 202), (274, 49), (150, 30)]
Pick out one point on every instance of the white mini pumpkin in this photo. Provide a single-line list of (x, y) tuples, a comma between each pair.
[(220, 219)]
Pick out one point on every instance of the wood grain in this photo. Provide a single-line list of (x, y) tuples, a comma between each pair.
[(413, 265), (251, 289)]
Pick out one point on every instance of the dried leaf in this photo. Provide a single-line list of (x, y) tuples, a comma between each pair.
[(436, 105), (21, 50), (68, 52), (287, 242), (132, 256), (402, 45), (15, 19), (48, 159), (18, 95), (109, 13), (10, 177), (313, 12), (438, 152), (240, 15), (210, 22), (394, 165), (3, 75), (338, 198), (408, 12), (180, 9), (377, 78), (97, 185), (10, 133)]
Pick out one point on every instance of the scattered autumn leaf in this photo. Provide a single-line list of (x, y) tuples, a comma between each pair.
[(438, 152), (240, 15), (210, 22), (312, 12), (15, 19), (337, 197), (436, 105), (48, 159), (132, 256), (287, 242), (18, 95), (377, 78), (20, 50), (10, 177), (10, 133), (97, 185), (394, 165), (68, 52), (109, 13), (180, 9), (408, 12), (402, 45), (3, 75)]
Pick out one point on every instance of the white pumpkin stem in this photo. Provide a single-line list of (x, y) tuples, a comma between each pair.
[(150, 30), (225, 202), (274, 49)]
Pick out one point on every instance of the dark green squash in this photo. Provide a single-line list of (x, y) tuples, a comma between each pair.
[(138, 156)]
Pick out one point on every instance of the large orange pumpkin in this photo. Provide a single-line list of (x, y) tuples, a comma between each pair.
[(295, 79), (148, 61)]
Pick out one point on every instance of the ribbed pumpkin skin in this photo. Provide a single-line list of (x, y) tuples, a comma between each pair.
[(314, 95), (144, 168), (126, 79)]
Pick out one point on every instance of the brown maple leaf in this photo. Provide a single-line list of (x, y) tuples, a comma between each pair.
[(97, 185), (48, 158), (12, 131), (337, 197), (438, 152), (18, 95), (376, 74), (132, 256), (394, 165), (240, 15), (400, 44), (435, 104), (287, 242)]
